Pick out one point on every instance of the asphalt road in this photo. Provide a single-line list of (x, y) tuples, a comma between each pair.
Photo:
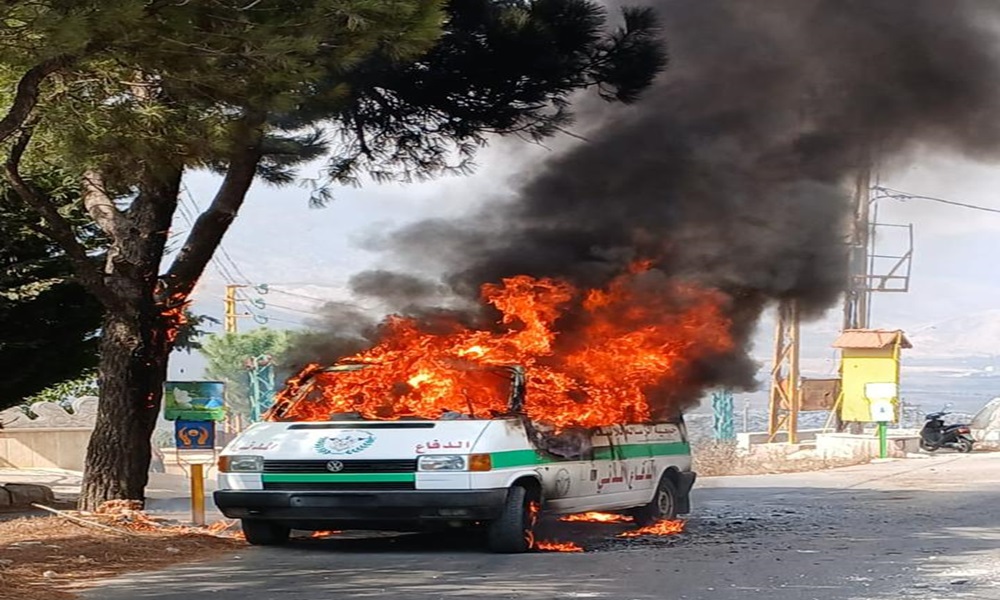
[(921, 528)]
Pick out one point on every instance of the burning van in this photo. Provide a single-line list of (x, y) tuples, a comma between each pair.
[(479, 462)]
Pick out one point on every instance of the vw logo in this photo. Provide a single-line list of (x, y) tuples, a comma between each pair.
[(335, 466)]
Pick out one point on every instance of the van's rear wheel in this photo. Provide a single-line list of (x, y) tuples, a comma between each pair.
[(514, 530), (662, 506), (264, 533)]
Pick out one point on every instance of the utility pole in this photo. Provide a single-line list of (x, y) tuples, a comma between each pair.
[(230, 308), (857, 300), (229, 322)]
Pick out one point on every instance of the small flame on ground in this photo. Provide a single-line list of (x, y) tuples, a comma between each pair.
[(658, 528), (597, 517), (323, 534), (557, 547)]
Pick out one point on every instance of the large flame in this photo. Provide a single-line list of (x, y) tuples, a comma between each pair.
[(591, 357)]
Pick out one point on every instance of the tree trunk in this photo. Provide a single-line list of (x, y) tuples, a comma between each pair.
[(133, 368), (141, 320), (136, 339)]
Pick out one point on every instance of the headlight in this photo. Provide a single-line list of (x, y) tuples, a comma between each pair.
[(241, 464), (447, 462)]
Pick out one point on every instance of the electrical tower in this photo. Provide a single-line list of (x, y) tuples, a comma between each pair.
[(785, 399), (868, 271), (260, 370), (722, 416)]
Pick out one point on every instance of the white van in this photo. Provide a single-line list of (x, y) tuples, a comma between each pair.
[(494, 473)]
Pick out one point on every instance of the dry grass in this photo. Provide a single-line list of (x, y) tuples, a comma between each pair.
[(49, 558), (715, 459)]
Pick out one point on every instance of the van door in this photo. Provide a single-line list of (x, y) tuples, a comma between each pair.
[(639, 462), (607, 484)]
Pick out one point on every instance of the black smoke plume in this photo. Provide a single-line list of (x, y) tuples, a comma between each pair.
[(734, 169)]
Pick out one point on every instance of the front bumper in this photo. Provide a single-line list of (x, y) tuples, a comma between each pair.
[(362, 509)]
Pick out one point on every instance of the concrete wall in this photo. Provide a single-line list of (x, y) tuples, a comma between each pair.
[(44, 447), (746, 440), (845, 445)]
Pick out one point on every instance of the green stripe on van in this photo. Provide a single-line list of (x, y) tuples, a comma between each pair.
[(525, 458), (337, 477)]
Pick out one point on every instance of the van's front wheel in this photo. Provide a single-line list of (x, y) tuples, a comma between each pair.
[(663, 506), (514, 530), (264, 533)]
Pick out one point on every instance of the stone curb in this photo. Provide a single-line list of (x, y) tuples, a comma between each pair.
[(16, 495)]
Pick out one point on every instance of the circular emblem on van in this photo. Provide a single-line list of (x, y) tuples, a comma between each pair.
[(335, 466), (562, 483), (349, 441)]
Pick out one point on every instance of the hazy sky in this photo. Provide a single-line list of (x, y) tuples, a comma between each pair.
[(305, 252)]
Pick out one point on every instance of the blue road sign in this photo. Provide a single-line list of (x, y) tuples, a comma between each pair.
[(194, 435)]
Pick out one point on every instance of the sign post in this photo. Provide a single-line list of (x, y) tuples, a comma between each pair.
[(882, 398), (194, 407), (883, 443), (196, 436), (197, 494)]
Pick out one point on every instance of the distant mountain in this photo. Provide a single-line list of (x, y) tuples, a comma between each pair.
[(971, 335)]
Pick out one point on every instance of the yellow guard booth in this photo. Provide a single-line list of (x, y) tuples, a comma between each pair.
[(870, 374)]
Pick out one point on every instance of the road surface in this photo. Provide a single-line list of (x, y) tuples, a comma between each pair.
[(921, 528)]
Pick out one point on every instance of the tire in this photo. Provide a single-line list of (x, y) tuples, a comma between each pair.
[(663, 506), (264, 533), (514, 530), (963, 445), (926, 447)]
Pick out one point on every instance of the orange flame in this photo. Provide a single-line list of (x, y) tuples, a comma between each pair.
[(597, 517), (323, 534), (173, 315), (591, 358), (557, 547), (658, 528)]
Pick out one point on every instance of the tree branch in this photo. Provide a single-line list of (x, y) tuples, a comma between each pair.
[(56, 226), (26, 95), (211, 225), (99, 205)]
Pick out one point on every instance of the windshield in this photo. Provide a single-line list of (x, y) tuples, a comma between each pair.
[(385, 392)]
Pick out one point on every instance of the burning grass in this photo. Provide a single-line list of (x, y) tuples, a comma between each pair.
[(591, 357), (48, 558)]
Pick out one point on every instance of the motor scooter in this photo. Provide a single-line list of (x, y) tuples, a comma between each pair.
[(936, 435)]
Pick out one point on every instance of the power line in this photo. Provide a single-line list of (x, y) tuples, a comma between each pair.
[(219, 266), (269, 319), (903, 196), (232, 266), (297, 295)]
